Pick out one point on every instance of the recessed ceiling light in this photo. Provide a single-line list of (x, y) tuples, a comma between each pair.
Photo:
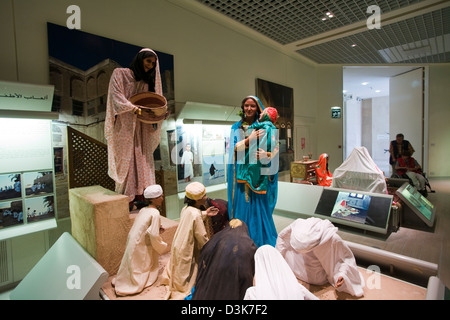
[(377, 91), (364, 83), (323, 19), (354, 45)]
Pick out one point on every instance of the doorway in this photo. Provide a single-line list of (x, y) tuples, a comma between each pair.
[(379, 102)]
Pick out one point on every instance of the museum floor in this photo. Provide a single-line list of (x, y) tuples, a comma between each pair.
[(423, 245)]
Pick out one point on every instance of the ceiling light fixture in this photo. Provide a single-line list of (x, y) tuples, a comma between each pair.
[(364, 83), (328, 15)]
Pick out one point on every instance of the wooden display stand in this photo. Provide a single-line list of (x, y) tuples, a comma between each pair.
[(101, 222), (304, 171)]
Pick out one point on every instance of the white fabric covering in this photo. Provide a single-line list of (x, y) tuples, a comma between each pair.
[(274, 279), (317, 255), (359, 172), (140, 265)]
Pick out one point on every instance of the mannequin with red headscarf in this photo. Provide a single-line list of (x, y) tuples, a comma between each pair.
[(254, 208)]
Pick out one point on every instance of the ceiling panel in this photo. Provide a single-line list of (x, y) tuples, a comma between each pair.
[(421, 38)]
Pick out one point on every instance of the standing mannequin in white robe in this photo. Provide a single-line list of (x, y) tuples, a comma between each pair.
[(187, 161), (140, 266), (274, 279), (317, 255)]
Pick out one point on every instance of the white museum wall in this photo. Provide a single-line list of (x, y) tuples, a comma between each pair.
[(329, 131), (380, 129), (438, 121), (406, 108)]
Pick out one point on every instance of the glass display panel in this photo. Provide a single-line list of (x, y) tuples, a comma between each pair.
[(355, 208), (420, 205)]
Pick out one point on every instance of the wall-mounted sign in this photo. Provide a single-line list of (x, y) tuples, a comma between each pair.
[(25, 97), (336, 112)]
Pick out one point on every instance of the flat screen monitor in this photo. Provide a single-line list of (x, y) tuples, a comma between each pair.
[(359, 209), (420, 205)]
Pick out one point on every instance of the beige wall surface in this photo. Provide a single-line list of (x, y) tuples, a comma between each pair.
[(438, 121), (213, 63)]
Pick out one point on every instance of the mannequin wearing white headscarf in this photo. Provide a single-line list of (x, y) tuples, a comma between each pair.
[(140, 263), (317, 254), (180, 273), (274, 279)]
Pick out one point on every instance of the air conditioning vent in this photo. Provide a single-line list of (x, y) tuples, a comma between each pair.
[(5, 263)]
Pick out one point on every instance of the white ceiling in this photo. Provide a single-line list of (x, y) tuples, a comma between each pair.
[(410, 31), (377, 78)]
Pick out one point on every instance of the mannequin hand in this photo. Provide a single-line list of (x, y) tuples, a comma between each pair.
[(212, 211), (256, 134), (339, 282), (262, 155)]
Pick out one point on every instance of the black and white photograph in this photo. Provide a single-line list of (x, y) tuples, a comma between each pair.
[(11, 213), (10, 186), (38, 182), (39, 208)]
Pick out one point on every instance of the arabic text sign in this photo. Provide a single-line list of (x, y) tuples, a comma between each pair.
[(25, 97)]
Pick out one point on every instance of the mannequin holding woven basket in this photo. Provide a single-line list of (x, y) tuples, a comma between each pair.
[(135, 111)]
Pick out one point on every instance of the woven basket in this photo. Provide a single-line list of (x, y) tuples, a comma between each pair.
[(153, 106)]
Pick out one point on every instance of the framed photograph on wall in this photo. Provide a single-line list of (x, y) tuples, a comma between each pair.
[(188, 155), (10, 186), (281, 98)]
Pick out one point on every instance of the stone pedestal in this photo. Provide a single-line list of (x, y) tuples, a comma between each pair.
[(101, 222)]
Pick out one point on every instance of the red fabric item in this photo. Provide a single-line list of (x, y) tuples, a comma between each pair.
[(323, 176), (272, 112)]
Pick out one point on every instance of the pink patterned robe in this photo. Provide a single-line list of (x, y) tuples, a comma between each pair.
[(131, 143)]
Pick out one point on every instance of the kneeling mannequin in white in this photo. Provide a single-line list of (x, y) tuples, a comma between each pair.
[(140, 263), (317, 254)]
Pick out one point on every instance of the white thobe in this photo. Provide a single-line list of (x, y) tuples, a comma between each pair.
[(317, 254), (181, 270), (140, 266)]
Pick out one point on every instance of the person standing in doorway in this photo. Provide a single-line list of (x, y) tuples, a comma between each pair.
[(396, 149)]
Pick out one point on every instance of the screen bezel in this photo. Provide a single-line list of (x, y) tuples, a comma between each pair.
[(399, 192), (377, 196)]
